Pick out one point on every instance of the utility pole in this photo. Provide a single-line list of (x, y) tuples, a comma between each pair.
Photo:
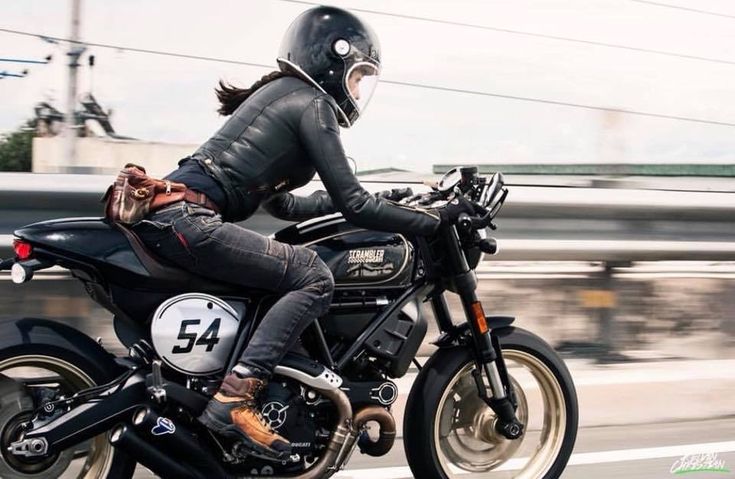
[(70, 131)]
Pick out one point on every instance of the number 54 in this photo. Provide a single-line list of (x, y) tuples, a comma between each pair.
[(208, 338)]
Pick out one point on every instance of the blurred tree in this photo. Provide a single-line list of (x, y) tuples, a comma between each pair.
[(15, 148)]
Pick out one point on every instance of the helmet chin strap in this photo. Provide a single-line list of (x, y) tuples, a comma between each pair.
[(305, 76)]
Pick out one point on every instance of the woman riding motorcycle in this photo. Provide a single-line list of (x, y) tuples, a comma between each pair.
[(281, 132)]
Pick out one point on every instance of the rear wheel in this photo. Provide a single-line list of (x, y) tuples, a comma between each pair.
[(450, 431), (26, 381)]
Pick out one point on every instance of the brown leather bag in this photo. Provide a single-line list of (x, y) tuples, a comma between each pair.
[(134, 194)]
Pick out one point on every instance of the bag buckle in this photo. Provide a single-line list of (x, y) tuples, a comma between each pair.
[(140, 193)]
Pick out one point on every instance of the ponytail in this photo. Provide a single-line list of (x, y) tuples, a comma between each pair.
[(231, 97)]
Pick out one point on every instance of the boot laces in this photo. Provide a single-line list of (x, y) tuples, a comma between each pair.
[(251, 406), (253, 410)]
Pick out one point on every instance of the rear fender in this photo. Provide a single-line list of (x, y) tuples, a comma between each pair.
[(59, 339)]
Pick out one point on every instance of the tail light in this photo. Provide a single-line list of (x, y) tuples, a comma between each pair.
[(23, 250)]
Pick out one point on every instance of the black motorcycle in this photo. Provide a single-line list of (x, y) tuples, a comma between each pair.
[(493, 400)]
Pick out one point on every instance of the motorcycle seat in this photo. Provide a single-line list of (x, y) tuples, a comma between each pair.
[(170, 276)]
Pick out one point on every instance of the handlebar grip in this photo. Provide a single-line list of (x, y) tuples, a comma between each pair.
[(396, 194), (403, 192)]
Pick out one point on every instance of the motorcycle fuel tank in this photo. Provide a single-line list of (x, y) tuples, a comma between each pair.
[(356, 257)]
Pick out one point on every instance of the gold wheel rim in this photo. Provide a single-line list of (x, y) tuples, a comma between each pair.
[(99, 459), (464, 438)]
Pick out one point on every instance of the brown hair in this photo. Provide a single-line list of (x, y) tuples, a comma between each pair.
[(230, 97)]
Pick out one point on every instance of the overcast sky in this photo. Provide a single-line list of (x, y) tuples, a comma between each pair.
[(171, 99)]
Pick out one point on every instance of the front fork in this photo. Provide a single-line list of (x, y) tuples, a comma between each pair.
[(489, 362)]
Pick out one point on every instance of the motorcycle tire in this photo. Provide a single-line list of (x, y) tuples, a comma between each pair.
[(448, 429)]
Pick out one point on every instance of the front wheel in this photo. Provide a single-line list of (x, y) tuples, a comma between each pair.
[(449, 431), (32, 375)]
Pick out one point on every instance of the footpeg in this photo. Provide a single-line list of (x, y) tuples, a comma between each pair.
[(156, 389)]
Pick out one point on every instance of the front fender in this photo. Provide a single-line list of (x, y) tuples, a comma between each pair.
[(460, 335), (34, 336)]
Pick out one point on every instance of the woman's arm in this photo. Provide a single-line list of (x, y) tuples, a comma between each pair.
[(320, 135), (289, 207)]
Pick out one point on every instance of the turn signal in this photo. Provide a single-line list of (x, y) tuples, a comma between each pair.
[(22, 249), (479, 317)]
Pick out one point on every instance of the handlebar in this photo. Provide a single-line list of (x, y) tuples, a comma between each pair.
[(467, 223), (396, 194)]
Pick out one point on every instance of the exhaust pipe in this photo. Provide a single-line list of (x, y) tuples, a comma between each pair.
[(175, 441), (180, 442), (341, 442), (387, 430), (125, 439)]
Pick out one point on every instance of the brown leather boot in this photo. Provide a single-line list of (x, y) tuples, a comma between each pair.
[(233, 412)]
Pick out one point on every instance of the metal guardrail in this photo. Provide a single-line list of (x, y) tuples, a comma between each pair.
[(538, 223), (83, 192), (616, 169), (574, 250)]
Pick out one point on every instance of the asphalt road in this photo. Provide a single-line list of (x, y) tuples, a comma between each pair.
[(635, 451), (602, 452)]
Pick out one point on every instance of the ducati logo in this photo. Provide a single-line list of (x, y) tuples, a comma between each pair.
[(275, 413), (362, 256)]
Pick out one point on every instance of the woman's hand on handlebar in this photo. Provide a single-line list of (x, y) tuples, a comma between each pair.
[(396, 194)]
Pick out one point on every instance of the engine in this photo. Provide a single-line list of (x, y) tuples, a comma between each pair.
[(301, 416)]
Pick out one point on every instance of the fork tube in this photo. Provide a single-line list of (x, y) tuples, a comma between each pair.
[(466, 285)]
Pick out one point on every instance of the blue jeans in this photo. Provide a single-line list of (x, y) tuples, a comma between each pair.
[(196, 239)]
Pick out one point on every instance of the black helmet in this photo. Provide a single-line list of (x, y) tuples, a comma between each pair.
[(336, 52)]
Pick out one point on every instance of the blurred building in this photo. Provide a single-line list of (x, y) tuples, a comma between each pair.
[(100, 155), (100, 149)]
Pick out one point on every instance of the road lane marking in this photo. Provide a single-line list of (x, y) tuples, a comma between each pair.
[(622, 455), (583, 458)]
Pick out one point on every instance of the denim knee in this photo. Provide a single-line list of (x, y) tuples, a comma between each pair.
[(322, 282), (324, 276)]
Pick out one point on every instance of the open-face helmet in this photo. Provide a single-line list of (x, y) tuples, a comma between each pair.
[(338, 53)]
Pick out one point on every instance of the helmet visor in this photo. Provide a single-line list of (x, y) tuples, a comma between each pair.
[(360, 83)]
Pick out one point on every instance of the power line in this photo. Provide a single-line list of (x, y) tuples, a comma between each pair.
[(396, 82), (18, 60), (530, 34), (138, 50), (677, 7), (6, 74), (561, 103)]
